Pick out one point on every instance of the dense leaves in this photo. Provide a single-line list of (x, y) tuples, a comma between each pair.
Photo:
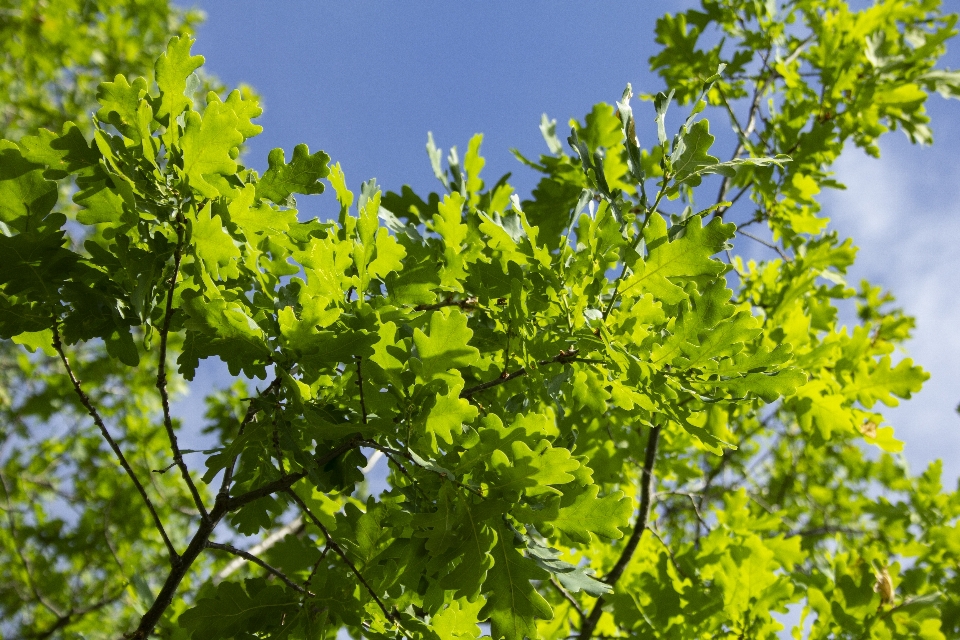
[(598, 421)]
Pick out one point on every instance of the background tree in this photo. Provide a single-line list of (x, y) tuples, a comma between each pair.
[(591, 380), (59, 563)]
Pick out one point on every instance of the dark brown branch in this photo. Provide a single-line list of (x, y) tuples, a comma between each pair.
[(646, 496), (392, 453), (340, 552), (169, 589), (363, 406), (467, 304), (257, 561), (162, 374), (199, 542), (564, 357), (224, 491), (88, 405), (287, 481)]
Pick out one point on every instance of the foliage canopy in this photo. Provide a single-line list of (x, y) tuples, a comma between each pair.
[(600, 420)]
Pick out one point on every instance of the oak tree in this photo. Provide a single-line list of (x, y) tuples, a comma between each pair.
[(600, 420)]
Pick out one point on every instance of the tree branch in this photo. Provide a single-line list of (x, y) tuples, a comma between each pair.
[(564, 357), (340, 552), (162, 373), (88, 405), (769, 245), (646, 495), (294, 526), (199, 542), (363, 406), (568, 597), (224, 491), (287, 481), (257, 561), (466, 305)]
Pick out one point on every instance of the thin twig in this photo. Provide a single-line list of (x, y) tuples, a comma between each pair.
[(363, 406), (391, 453), (28, 571), (316, 566), (467, 304), (162, 373), (294, 526), (88, 405), (744, 133), (770, 245), (646, 498), (340, 552), (65, 619), (223, 505), (224, 491), (693, 502), (673, 559), (568, 597), (564, 357), (257, 561), (287, 481)]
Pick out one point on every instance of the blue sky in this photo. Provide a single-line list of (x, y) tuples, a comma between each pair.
[(365, 81)]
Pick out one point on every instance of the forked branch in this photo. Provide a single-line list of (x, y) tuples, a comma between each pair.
[(340, 552), (88, 405)]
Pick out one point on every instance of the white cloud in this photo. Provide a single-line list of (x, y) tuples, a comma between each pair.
[(903, 211)]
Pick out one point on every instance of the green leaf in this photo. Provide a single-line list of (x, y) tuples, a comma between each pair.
[(26, 197), (534, 471), (685, 257), (207, 144), (513, 603), (258, 219), (589, 514), (213, 245), (63, 154), (124, 106), (231, 609), (447, 346), (573, 578), (246, 109), (302, 175), (445, 419), (448, 223), (173, 68), (459, 620), (880, 381)]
